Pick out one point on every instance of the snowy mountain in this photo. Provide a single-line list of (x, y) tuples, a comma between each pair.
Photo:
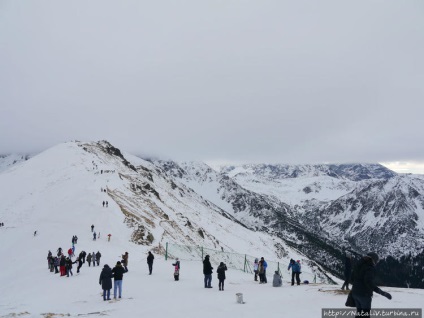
[(386, 215), (6, 161), (156, 208), (311, 212), (60, 193), (356, 207)]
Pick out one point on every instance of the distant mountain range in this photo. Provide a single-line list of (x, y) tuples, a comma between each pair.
[(318, 211)]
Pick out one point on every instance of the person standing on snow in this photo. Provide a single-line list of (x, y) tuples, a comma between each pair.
[(56, 264), (295, 267), (118, 273), (49, 254), (207, 271), (255, 269), (221, 275), (106, 281), (150, 259), (363, 284), (125, 259), (347, 271), (92, 228), (176, 269)]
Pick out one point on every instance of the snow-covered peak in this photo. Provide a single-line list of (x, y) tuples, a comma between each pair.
[(353, 172), (6, 161)]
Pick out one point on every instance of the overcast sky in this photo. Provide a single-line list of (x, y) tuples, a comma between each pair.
[(216, 80)]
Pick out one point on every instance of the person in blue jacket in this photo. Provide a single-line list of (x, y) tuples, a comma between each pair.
[(262, 271), (295, 267)]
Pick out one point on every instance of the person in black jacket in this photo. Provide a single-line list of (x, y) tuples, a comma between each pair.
[(106, 281), (221, 275), (118, 273), (207, 271), (98, 255), (347, 271), (62, 264), (364, 285), (176, 269), (69, 266), (82, 256), (79, 260), (150, 259)]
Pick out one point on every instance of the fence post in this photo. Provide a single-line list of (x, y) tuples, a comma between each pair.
[(166, 252), (245, 260)]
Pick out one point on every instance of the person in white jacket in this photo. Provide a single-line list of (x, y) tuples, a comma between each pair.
[(255, 269)]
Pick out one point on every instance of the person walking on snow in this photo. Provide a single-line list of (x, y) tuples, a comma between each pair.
[(150, 259), (69, 266), (106, 281), (89, 259), (108, 237), (79, 260), (93, 258), (98, 255), (94, 236), (363, 284), (118, 273), (92, 228)]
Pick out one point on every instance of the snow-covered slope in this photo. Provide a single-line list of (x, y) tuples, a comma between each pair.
[(386, 215), (360, 207), (58, 194), (190, 204), (6, 161)]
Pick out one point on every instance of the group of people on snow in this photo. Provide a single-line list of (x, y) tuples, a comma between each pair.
[(259, 268), (105, 280), (63, 265)]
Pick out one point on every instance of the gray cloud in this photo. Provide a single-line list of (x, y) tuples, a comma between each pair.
[(274, 81)]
